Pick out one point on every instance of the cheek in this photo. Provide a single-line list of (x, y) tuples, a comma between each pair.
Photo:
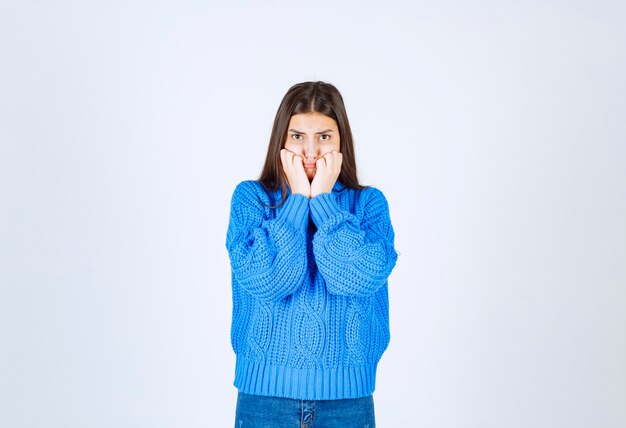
[(291, 147), (332, 147)]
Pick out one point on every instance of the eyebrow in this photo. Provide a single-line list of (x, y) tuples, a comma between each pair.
[(321, 132)]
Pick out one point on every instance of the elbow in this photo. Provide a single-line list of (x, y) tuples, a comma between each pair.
[(358, 283), (360, 277), (354, 289), (271, 285)]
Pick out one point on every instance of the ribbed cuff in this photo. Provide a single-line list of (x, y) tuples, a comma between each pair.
[(323, 206), (295, 210), (315, 383)]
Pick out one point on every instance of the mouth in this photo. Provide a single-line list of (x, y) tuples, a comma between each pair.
[(309, 165)]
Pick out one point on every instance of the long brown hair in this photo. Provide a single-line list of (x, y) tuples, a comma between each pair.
[(307, 97)]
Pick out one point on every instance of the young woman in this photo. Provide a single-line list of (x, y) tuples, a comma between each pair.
[(310, 250)]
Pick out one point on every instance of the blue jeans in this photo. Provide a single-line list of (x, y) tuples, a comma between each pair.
[(255, 411)]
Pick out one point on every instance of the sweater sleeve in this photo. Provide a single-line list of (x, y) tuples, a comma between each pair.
[(354, 258), (268, 256)]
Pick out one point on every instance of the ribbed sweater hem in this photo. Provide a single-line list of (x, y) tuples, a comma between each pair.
[(322, 207), (259, 378), (296, 211)]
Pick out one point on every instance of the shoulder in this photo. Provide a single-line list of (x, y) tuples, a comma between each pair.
[(254, 187), (247, 186), (250, 191), (371, 194), (373, 203)]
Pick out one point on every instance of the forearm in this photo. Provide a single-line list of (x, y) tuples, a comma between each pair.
[(268, 256), (354, 257)]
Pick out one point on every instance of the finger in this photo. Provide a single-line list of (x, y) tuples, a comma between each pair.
[(287, 161), (330, 155), (333, 162), (338, 160), (290, 155), (331, 159), (298, 162), (321, 162)]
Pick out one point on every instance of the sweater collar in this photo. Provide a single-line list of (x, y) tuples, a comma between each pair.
[(338, 186)]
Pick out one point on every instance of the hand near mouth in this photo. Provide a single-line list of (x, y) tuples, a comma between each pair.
[(296, 175), (328, 169)]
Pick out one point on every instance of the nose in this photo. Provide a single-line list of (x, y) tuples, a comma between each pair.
[(310, 150)]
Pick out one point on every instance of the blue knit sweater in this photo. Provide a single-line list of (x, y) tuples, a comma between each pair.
[(309, 286)]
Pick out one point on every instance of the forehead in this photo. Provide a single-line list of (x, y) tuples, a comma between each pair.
[(312, 122)]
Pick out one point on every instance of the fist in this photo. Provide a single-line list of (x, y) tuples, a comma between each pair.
[(327, 168), (294, 170)]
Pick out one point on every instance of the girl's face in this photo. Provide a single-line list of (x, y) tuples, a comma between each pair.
[(311, 136)]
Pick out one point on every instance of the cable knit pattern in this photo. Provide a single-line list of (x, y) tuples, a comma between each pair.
[(309, 283)]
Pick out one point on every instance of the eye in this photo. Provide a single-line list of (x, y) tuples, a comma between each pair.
[(296, 136), (324, 135)]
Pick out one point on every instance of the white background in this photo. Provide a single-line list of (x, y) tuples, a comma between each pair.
[(496, 129)]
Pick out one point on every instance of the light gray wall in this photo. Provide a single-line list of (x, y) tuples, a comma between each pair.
[(497, 130)]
